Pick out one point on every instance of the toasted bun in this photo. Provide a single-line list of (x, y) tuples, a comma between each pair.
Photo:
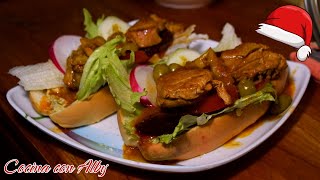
[(203, 139), (79, 113)]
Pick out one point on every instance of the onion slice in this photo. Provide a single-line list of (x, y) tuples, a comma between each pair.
[(38, 76), (61, 49)]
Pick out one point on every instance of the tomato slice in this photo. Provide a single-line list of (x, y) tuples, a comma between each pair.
[(210, 103), (141, 57), (213, 102)]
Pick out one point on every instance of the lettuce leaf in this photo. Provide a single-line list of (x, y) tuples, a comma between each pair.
[(129, 63), (186, 122), (90, 27), (229, 39), (104, 66)]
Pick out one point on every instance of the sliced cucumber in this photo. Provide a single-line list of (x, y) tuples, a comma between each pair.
[(182, 56), (112, 24)]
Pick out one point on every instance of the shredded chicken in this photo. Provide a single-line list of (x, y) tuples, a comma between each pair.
[(77, 60)]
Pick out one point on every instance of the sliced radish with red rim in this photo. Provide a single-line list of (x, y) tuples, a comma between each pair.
[(141, 78), (62, 48)]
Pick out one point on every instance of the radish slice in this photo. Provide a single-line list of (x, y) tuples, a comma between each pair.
[(62, 48), (141, 78)]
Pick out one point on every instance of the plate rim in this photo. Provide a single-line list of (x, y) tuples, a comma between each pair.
[(166, 168)]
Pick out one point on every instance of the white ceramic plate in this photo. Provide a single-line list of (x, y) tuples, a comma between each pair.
[(103, 139)]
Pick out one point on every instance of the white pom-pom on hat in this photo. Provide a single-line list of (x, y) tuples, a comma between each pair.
[(303, 53)]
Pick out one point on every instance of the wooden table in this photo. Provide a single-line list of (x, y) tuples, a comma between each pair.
[(28, 27)]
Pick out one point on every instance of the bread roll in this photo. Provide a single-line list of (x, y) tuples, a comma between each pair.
[(79, 113)]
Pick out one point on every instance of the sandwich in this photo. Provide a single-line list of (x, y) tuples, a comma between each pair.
[(206, 102)]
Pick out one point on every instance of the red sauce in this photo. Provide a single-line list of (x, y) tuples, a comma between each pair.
[(154, 122), (132, 153)]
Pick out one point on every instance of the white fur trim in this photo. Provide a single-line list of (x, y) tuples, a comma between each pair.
[(303, 53), (280, 35)]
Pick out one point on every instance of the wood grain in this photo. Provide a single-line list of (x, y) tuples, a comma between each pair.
[(28, 28)]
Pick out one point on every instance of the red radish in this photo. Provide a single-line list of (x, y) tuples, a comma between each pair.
[(141, 78), (62, 48)]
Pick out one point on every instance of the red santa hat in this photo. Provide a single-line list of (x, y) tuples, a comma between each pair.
[(291, 25)]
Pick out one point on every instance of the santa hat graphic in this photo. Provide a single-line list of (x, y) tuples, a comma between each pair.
[(290, 25)]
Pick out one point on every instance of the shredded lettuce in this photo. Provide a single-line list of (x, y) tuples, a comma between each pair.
[(188, 121), (90, 27), (104, 66), (94, 72)]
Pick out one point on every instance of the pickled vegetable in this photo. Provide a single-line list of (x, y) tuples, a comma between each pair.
[(246, 87), (174, 66), (281, 105), (159, 70)]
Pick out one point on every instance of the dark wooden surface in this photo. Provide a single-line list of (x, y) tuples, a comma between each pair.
[(28, 27)]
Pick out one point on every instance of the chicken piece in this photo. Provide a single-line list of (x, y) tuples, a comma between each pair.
[(216, 65), (144, 33), (242, 50), (173, 27), (183, 87), (153, 30), (250, 60), (222, 92)]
